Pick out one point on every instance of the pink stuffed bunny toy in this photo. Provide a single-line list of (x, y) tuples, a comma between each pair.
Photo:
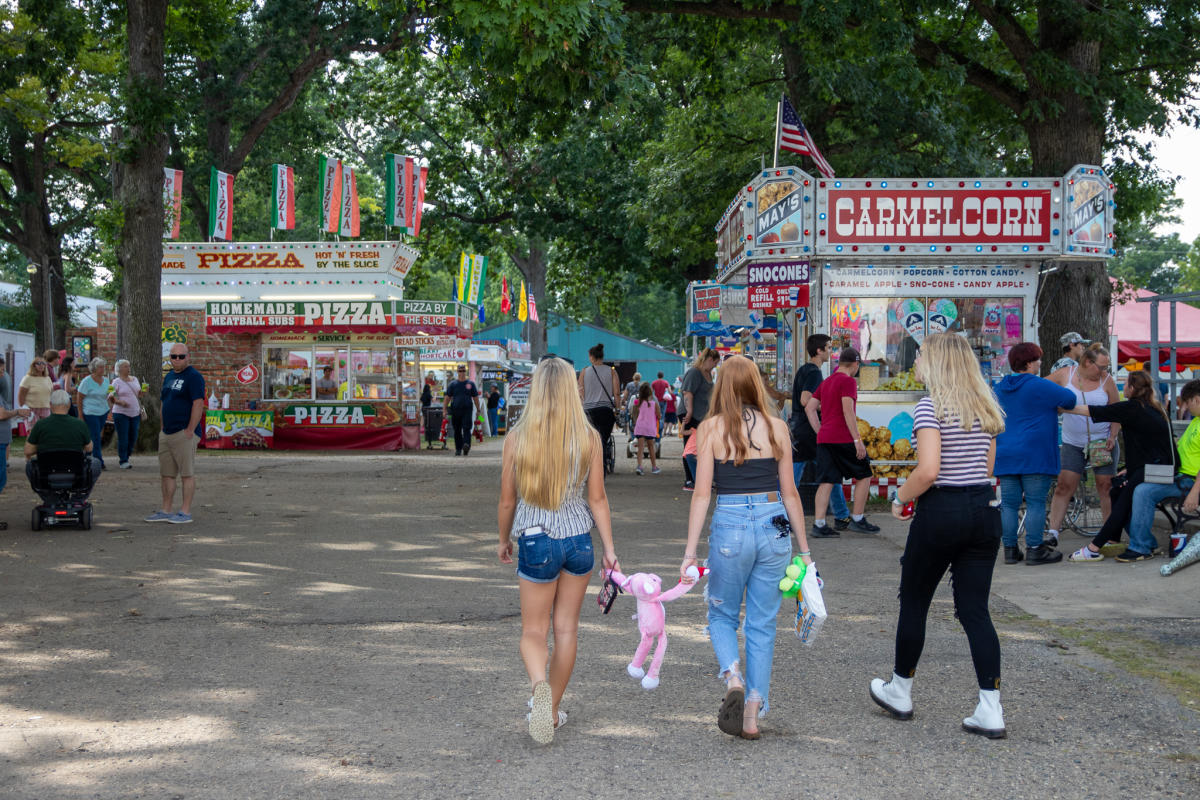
[(652, 621)]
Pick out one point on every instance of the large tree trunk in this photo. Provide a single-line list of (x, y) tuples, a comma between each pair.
[(533, 266), (1077, 295), (139, 193)]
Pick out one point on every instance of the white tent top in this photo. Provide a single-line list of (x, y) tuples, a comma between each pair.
[(84, 310)]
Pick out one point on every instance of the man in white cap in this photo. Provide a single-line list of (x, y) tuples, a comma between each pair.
[(1073, 345)]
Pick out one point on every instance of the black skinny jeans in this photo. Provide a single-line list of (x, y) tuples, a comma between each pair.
[(1122, 510), (460, 420), (955, 529)]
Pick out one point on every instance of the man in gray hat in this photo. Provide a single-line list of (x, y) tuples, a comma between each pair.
[(1073, 345)]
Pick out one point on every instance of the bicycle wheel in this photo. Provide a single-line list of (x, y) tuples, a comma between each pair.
[(1084, 514)]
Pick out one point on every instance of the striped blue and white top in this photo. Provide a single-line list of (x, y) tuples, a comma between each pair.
[(572, 518), (964, 453)]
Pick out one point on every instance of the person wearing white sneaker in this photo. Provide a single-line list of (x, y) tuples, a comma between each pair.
[(955, 526), (988, 719)]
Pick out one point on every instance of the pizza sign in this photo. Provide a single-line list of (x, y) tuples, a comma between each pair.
[(329, 416)]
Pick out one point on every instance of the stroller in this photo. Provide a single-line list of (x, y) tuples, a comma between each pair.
[(63, 479)]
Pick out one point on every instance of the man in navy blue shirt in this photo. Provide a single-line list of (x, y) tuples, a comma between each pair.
[(462, 396), (182, 418)]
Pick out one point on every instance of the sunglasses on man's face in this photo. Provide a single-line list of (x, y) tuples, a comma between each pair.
[(178, 356)]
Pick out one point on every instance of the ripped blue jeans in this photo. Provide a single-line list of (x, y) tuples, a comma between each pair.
[(747, 557)]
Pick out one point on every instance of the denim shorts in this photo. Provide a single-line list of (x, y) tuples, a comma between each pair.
[(540, 558)]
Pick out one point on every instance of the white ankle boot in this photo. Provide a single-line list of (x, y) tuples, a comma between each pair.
[(988, 719), (895, 696)]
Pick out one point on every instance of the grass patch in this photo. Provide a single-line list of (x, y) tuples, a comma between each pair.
[(1176, 667)]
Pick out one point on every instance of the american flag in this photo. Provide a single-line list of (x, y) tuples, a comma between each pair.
[(794, 137)]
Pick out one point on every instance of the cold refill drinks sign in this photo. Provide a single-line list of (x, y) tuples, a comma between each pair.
[(777, 284)]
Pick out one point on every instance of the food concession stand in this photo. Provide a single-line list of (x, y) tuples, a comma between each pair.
[(878, 264), (277, 316)]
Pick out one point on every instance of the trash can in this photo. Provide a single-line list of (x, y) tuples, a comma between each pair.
[(434, 416)]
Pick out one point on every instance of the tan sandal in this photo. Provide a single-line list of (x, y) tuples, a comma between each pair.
[(541, 717), (729, 718), (751, 715)]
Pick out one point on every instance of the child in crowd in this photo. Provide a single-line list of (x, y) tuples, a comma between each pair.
[(647, 415)]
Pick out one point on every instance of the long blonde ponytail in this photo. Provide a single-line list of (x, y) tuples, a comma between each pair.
[(553, 438)]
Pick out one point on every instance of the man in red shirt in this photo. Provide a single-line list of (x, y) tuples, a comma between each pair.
[(840, 450), (660, 387)]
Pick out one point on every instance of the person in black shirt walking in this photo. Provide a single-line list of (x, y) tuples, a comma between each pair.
[(804, 438), (462, 398), (493, 409)]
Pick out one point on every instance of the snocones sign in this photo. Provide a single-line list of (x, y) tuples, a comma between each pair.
[(172, 201), (220, 205), (330, 190), (283, 198), (349, 214)]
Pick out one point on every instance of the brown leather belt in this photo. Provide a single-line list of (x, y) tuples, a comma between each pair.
[(771, 497)]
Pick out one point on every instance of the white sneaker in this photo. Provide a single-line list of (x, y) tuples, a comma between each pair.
[(656, 471), (895, 696), (988, 719)]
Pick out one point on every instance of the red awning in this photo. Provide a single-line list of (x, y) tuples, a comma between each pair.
[(1129, 321)]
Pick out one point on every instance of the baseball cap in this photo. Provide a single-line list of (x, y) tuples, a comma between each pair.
[(849, 356), (1073, 338)]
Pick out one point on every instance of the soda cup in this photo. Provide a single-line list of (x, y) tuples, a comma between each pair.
[(1178, 542)]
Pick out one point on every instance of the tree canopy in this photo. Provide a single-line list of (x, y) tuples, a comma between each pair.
[(586, 146)]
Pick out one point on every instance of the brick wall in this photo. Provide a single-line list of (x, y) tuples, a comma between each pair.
[(217, 356)]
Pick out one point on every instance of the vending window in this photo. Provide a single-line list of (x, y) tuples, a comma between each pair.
[(329, 372), (298, 373), (885, 331), (991, 325), (287, 373), (374, 373)]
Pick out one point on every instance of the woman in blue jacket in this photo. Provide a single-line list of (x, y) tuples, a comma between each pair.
[(1027, 452)]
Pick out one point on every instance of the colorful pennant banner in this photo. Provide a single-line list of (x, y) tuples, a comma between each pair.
[(349, 211), (283, 197), (220, 205), (330, 189), (172, 201)]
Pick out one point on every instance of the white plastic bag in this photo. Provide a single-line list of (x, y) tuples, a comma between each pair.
[(810, 607)]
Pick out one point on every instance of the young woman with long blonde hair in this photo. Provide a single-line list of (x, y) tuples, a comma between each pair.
[(550, 456), (956, 527), (745, 454)]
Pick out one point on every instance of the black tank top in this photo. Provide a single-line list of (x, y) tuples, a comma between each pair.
[(753, 476)]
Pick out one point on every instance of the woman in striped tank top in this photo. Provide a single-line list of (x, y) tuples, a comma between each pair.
[(955, 527), (550, 457)]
